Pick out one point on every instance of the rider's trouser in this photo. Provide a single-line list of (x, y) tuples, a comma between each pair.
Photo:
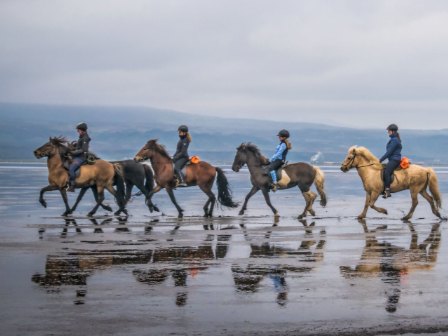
[(77, 162), (273, 167), (391, 165), (178, 165)]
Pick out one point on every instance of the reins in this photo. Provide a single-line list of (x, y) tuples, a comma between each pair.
[(353, 159)]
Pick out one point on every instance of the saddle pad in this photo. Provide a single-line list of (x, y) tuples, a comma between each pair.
[(265, 170), (183, 171)]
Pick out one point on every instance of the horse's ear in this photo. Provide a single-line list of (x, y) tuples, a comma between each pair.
[(354, 150)]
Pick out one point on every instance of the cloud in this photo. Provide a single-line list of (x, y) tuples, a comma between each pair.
[(362, 64)]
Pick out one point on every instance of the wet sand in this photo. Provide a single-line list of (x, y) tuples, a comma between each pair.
[(152, 274)]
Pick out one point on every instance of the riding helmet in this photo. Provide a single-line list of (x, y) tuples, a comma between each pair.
[(392, 127), (283, 133), (183, 128), (82, 126)]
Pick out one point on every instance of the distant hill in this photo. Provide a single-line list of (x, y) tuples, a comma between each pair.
[(120, 132)]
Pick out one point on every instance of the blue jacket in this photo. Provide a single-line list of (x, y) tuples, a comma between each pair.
[(393, 149), (281, 152)]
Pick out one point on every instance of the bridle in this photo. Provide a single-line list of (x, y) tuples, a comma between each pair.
[(352, 160)]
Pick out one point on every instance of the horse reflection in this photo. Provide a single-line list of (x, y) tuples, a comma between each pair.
[(183, 262), (248, 279), (391, 262)]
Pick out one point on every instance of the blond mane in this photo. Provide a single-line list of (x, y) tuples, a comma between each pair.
[(367, 154)]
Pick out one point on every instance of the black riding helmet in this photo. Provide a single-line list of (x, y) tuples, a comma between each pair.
[(183, 128), (81, 126), (283, 133), (392, 127)]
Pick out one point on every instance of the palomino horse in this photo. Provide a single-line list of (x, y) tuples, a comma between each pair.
[(102, 174), (201, 174), (415, 178), (300, 174)]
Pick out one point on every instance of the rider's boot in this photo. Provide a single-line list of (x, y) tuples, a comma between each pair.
[(387, 193), (181, 181), (71, 187), (274, 184)]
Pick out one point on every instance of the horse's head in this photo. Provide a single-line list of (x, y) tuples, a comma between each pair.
[(146, 152), (51, 147), (240, 158), (350, 160)]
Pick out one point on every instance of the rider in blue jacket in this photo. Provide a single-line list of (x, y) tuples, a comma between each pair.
[(279, 158), (393, 154)]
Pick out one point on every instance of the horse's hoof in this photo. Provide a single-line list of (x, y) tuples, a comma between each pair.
[(156, 209), (125, 212), (180, 215), (361, 217), (385, 212), (241, 213), (205, 215), (44, 204), (107, 208), (312, 212), (300, 216), (117, 213), (405, 218), (90, 214)]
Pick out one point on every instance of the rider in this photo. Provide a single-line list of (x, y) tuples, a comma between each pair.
[(393, 153), (79, 155), (181, 157), (279, 157)]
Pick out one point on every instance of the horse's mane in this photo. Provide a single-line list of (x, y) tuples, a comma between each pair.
[(364, 152), (255, 150), (60, 142), (152, 144)]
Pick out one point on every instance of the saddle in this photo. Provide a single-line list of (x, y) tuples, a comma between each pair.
[(184, 170), (282, 178), (91, 159)]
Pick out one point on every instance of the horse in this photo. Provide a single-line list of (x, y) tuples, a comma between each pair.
[(415, 178), (300, 174), (135, 175), (201, 174), (102, 174)]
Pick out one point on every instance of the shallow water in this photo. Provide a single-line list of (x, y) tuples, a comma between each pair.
[(153, 274)]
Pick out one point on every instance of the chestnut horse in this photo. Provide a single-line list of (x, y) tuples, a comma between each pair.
[(415, 178), (201, 174), (102, 174)]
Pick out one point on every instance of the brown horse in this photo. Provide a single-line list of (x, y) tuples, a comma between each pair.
[(201, 174), (415, 178), (102, 174), (299, 174)]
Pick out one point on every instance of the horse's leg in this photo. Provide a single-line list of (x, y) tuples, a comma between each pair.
[(42, 191), (95, 195), (366, 206), (211, 200), (114, 193), (312, 199), (268, 201), (430, 200), (98, 202), (414, 196), (307, 204), (65, 198), (129, 187), (169, 190), (249, 195), (153, 207), (80, 196), (373, 197)]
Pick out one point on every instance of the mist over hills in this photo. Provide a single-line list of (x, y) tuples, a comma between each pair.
[(120, 132)]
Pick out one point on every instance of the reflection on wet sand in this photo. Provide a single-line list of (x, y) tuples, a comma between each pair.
[(391, 262), (247, 279)]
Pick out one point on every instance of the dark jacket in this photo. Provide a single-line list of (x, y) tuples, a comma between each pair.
[(393, 149), (182, 148), (82, 147)]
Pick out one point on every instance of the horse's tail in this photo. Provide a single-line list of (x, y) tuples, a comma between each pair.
[(224, 190), (119, 178), (433, 188), (319, 183), (149, 185)]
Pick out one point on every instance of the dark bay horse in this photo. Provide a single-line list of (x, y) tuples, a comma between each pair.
[(300, 174), (136, 174), (102, 174), (201, 174)]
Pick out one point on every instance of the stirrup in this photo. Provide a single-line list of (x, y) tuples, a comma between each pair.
[(274, 187)]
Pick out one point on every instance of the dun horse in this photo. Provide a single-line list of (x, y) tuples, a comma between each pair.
[(102, 174), (300, 174), (201, 174), (415, 178)]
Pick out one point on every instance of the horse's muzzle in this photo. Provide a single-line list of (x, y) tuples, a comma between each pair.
[(344, 169), (138, 159), (37, 154)]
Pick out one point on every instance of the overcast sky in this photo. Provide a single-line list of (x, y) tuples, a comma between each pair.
[(356, 63)]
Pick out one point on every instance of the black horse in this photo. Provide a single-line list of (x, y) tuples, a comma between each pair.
[(135, 175), (299, 174)]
